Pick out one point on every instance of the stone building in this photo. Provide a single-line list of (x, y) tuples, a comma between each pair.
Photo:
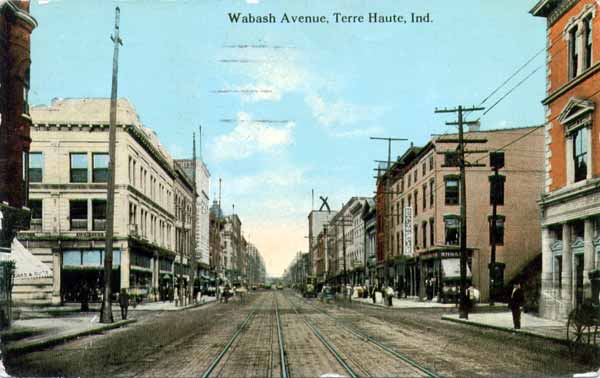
[(317, 220), (16, 26), (68, 170), (231, 237), (570, 204), (215, 247)]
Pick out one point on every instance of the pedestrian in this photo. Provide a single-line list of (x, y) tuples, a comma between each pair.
[(389, 295), (124, 303), (516, 301)]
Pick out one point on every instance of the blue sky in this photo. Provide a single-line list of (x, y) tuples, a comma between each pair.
[(328, 87)]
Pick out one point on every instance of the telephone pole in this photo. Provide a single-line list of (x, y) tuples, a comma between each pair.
[(463, 305), (194, 263), (106, 313)]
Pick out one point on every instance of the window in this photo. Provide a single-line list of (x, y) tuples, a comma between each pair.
[(451, 159), (78, 214), (580, 145), (497, 189), (424, 230), (397, 243), (573, 53), (431, 190), (451, 191), (424, 169), (558, 272), (36, 167), (36, 213), (431, 232), (499, 235), (99, 215), (416, 202), (424, 197), (587, 42), (26, 84), (452, 225), (100, 167), (79, 167), (416, 235), (431, 163), (416, 171)]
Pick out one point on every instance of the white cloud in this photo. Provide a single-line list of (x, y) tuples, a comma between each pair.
[(266, 179), (251, 137)]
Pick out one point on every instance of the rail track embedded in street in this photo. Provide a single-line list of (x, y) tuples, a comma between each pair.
[(367, 338), (282, 355)]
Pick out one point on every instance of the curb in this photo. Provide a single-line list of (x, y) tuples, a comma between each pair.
[(177, 309), (34, 345), (507, 330), (401, 308)]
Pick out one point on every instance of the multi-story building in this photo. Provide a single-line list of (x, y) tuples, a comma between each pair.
[(369, 219), (16, 25), (428, 188), (216, 228), (570, 204), (202, 209), (317, 219), (231, 237), (356, 245), (183, 188), (68, 170)]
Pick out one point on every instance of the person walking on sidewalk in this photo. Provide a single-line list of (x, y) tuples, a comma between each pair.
[(516, 301), (124, 303)]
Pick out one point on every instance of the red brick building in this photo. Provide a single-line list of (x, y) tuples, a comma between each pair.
[(16, 25), (570, 205)]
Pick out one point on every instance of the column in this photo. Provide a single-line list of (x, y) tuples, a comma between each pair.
[(547, 273), (567, 269), (588, 255), (125, 267), (56, 276)]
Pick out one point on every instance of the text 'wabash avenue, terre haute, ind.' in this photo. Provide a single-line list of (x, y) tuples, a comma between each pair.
[(336, 17)]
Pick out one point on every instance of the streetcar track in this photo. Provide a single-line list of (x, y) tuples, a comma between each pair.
[(364, 336)]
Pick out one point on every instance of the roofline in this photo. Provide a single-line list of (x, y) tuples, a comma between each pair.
[(540, 9)]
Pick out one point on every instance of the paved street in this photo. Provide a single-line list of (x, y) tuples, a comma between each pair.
[(317, 339)]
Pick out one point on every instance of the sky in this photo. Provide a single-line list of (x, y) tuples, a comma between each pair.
[(287, 108)]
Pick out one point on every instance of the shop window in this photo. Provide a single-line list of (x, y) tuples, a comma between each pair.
[(36, 213), (452, 226), (78, 214), (36, 167), (166, 265), (451, 191), (573, 53), (100, 167), (91, 258), (140, 260), (580, 151), (499, 235), (497, 189), (79, 167), (71, 258), (99, 215)]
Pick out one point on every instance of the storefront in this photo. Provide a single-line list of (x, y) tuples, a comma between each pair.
[(82, 274), (439, 273)]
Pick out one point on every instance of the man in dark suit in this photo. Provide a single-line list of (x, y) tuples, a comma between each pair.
[(517, 299)]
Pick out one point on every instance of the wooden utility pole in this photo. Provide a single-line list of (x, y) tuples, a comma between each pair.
[(194, 263), (463, 305), (106, 314)]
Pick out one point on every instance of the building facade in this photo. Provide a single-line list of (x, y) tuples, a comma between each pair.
[(570, 204), (68, 170), (16, 26)]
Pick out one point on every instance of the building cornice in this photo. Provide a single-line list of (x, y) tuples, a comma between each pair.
[(569, 193), (20, 13), (572, 83)]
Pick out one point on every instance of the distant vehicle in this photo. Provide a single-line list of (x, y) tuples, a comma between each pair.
[(309, 289), (279, 286), (327, 294)]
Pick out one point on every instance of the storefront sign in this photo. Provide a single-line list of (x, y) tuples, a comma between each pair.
[(408, 231)]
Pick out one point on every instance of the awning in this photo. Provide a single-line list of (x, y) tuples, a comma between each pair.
[(451, 268), (27, 266)]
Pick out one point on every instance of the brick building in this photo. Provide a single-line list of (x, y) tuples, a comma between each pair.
[(16, 25), (570, 204), (424, 213)]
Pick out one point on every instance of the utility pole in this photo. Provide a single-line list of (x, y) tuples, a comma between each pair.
[(194, 263), (106, 313), (463, 305), (497, 162)]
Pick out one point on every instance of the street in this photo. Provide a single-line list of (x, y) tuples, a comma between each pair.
[(235, 340)]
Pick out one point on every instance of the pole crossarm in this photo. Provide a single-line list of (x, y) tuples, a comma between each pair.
[(457, 140), (460, 108)]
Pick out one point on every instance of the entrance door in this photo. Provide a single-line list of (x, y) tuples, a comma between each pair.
[(578, 279)]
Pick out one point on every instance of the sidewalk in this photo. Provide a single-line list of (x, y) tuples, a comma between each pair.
[(35, 334), (530, 325), (404, 303)]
